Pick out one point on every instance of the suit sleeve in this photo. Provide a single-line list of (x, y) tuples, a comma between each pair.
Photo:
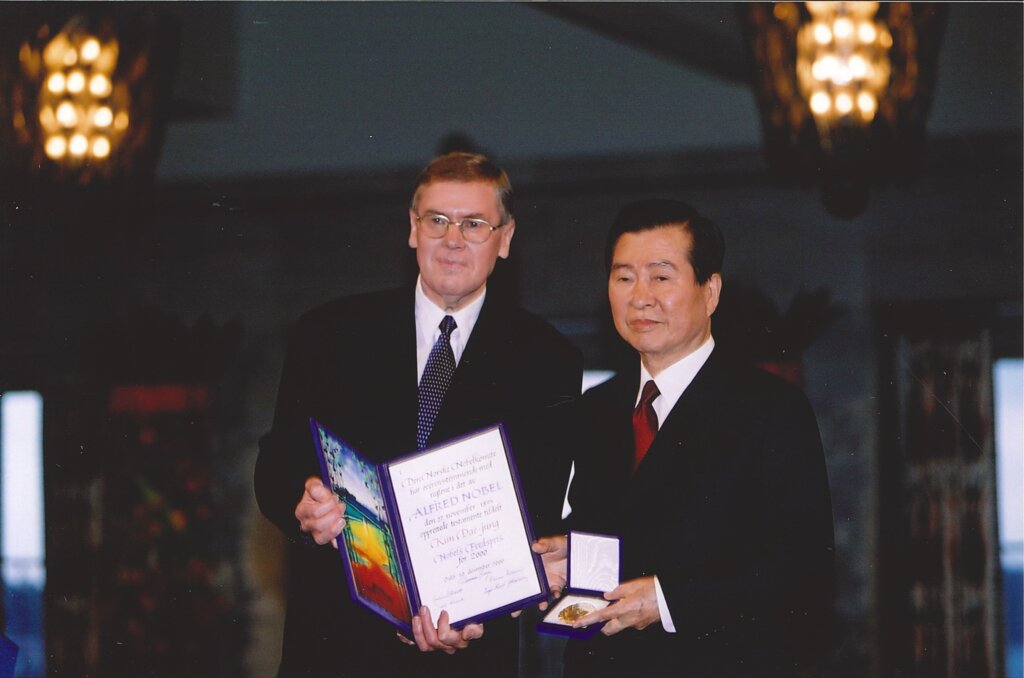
[(566, 386), (556, 375), (286, 456), (789, 577)]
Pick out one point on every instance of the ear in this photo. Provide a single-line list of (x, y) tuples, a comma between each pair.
[(412, 229), (713, 291), (507, 231)]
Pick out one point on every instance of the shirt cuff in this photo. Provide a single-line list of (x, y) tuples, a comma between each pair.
[(666, 618)]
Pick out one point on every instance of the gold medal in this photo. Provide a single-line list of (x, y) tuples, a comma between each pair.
[(571, 613)]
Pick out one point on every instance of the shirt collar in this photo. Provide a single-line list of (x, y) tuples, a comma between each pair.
[(429, 316), (675, 378)]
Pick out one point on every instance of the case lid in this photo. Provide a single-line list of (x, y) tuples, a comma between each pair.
[(593, 562)]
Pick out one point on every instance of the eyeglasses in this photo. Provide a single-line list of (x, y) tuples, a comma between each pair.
[(473, 230)]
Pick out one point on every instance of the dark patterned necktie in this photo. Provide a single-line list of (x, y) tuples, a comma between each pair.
[(645, 422), (437, 375)]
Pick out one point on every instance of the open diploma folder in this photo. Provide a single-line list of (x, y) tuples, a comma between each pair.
[(445, 527)]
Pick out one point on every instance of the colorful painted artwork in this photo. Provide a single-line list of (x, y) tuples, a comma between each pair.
[(369, 543), (374, 564)]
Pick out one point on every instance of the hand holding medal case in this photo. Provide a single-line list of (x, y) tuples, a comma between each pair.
[(592, 568)]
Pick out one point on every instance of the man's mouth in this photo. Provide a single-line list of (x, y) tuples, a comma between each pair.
[(642, 324)]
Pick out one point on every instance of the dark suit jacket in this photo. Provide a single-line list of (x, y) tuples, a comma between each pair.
[(352, 364), (730, 508)]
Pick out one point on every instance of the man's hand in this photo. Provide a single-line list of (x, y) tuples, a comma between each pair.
[(320, 512), (635, 606), (444, 637), (553, 552)]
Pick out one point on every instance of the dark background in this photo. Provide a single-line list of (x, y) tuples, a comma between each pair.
[(295, 133)]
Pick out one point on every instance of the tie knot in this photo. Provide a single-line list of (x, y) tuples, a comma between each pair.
[(649, 393), (447, 326)]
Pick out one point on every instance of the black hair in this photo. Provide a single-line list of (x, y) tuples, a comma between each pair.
[(708, 251)]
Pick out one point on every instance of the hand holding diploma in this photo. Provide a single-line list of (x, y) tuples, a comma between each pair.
[(634, 605), (320, 513), (444, 637)]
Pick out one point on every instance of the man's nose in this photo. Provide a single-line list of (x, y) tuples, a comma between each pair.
[(453, 236), (641, 296)]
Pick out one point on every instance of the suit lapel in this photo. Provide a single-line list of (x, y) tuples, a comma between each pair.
[(397, 372), (678, 432), (602, 442), (625, 402), (616, 413), (477, 364), (368, 380)]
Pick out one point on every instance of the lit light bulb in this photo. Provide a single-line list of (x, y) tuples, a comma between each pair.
[(66, 114), (99, 85), (843, 28), (100, 147), (844, 103), (820, 103), (90, 50), (858, 67), (867, 104), (121, 121), (56, 147), (103, 117), (106, 62), (823, 68), (55, 52), (78, 145), (47, 119), (70, 57), (866, 32), (822, 34), (76, 82), (56, 83), (841, 74)]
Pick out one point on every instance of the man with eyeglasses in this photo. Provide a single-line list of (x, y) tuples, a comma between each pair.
[(366, 367)]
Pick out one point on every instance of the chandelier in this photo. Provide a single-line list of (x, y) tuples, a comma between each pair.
[(844, 90), (82, 111), (86, 93)]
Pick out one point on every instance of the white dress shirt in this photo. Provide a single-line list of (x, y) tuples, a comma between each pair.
[(671, 383), (428, 321)]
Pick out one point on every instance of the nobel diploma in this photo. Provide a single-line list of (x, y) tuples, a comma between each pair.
[(445, 527), (464, 527)]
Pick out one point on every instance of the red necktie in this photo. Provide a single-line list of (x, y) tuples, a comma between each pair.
[(645, 422)]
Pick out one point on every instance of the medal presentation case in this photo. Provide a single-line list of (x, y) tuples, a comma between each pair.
[(592, 569)]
